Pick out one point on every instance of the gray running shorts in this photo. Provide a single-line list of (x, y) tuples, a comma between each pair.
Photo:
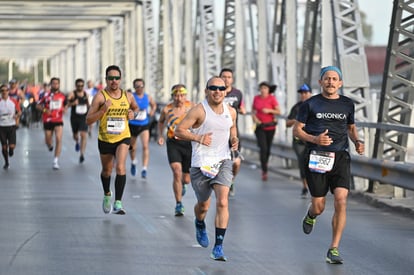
[(202, 184)]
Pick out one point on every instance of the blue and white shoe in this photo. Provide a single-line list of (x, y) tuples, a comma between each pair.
[(118, 209), (133, 169), (202, 237), (218, 254), (143, 174), (179, 209)]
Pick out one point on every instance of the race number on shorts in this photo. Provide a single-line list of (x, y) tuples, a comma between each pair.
[(321, 162), (211, 170)]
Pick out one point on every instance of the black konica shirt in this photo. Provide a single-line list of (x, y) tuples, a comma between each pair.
[(319, 113)]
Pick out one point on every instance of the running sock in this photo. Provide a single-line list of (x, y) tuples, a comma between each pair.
[(309, 215), (200, 224), (5, 155), (106, 181), (144, 167), (220, 235), (120, 181)]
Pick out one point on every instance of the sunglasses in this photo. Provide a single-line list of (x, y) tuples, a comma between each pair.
[(4, 90), (139, 86), (113, 78), (215, 88)]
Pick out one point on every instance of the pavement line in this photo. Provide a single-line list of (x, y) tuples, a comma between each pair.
[(21, 247)]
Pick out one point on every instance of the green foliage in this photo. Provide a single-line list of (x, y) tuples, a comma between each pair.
[(17, 74), (366, 28)]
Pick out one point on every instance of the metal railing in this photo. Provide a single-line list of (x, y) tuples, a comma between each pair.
[(383, 171)]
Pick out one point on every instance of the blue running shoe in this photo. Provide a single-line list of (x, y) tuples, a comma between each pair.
[(184, 190), (179, 209), (333, 257), (133, 169), (144, 174), (202, 238), (218, 254), (77, 147)]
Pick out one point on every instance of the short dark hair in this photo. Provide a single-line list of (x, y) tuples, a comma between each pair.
[(226, 70), (79, 80), (272, 87), (113, 68), (138, 79), (54, 78), (211, 78)]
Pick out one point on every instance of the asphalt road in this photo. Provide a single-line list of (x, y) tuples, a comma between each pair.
[(52, 223)]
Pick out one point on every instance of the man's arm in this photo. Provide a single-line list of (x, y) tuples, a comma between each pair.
[(153, 106), (353, 135), (234, 140), (71, 100), (301, 134), (161, 122), (290, 122), (194, 118), (98, 108), (133, 106)]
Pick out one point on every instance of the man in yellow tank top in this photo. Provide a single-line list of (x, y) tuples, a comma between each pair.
[(113, 107)]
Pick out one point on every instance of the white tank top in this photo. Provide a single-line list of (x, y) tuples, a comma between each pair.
[(7, 112), (219, 125)]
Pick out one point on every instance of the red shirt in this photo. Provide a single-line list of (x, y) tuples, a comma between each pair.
[(259, 103), (55, 103)]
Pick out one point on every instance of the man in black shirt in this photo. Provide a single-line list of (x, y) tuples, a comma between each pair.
[(298, 145), (325, 122), (234, 98)]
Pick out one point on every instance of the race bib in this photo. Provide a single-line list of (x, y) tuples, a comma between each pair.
[(115, 125), (141, 115), (81, 109), (321, 162), (55, 104), (211, 170), (6, 116)]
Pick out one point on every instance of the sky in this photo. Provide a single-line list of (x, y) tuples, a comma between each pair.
[(379, 17)]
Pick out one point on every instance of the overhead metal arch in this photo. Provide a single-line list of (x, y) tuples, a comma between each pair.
[(56, 32), (49, 21)]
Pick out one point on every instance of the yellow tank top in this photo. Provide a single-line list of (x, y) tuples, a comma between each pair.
[(173, 120), (113, 126)]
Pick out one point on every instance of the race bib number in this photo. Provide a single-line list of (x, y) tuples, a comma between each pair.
[(211, 170), (321, 162), (81, 109), (115, 125), (141, 115), (6, 117), (55, 104)]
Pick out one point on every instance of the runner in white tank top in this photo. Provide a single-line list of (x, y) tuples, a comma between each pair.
[(210, 125)]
